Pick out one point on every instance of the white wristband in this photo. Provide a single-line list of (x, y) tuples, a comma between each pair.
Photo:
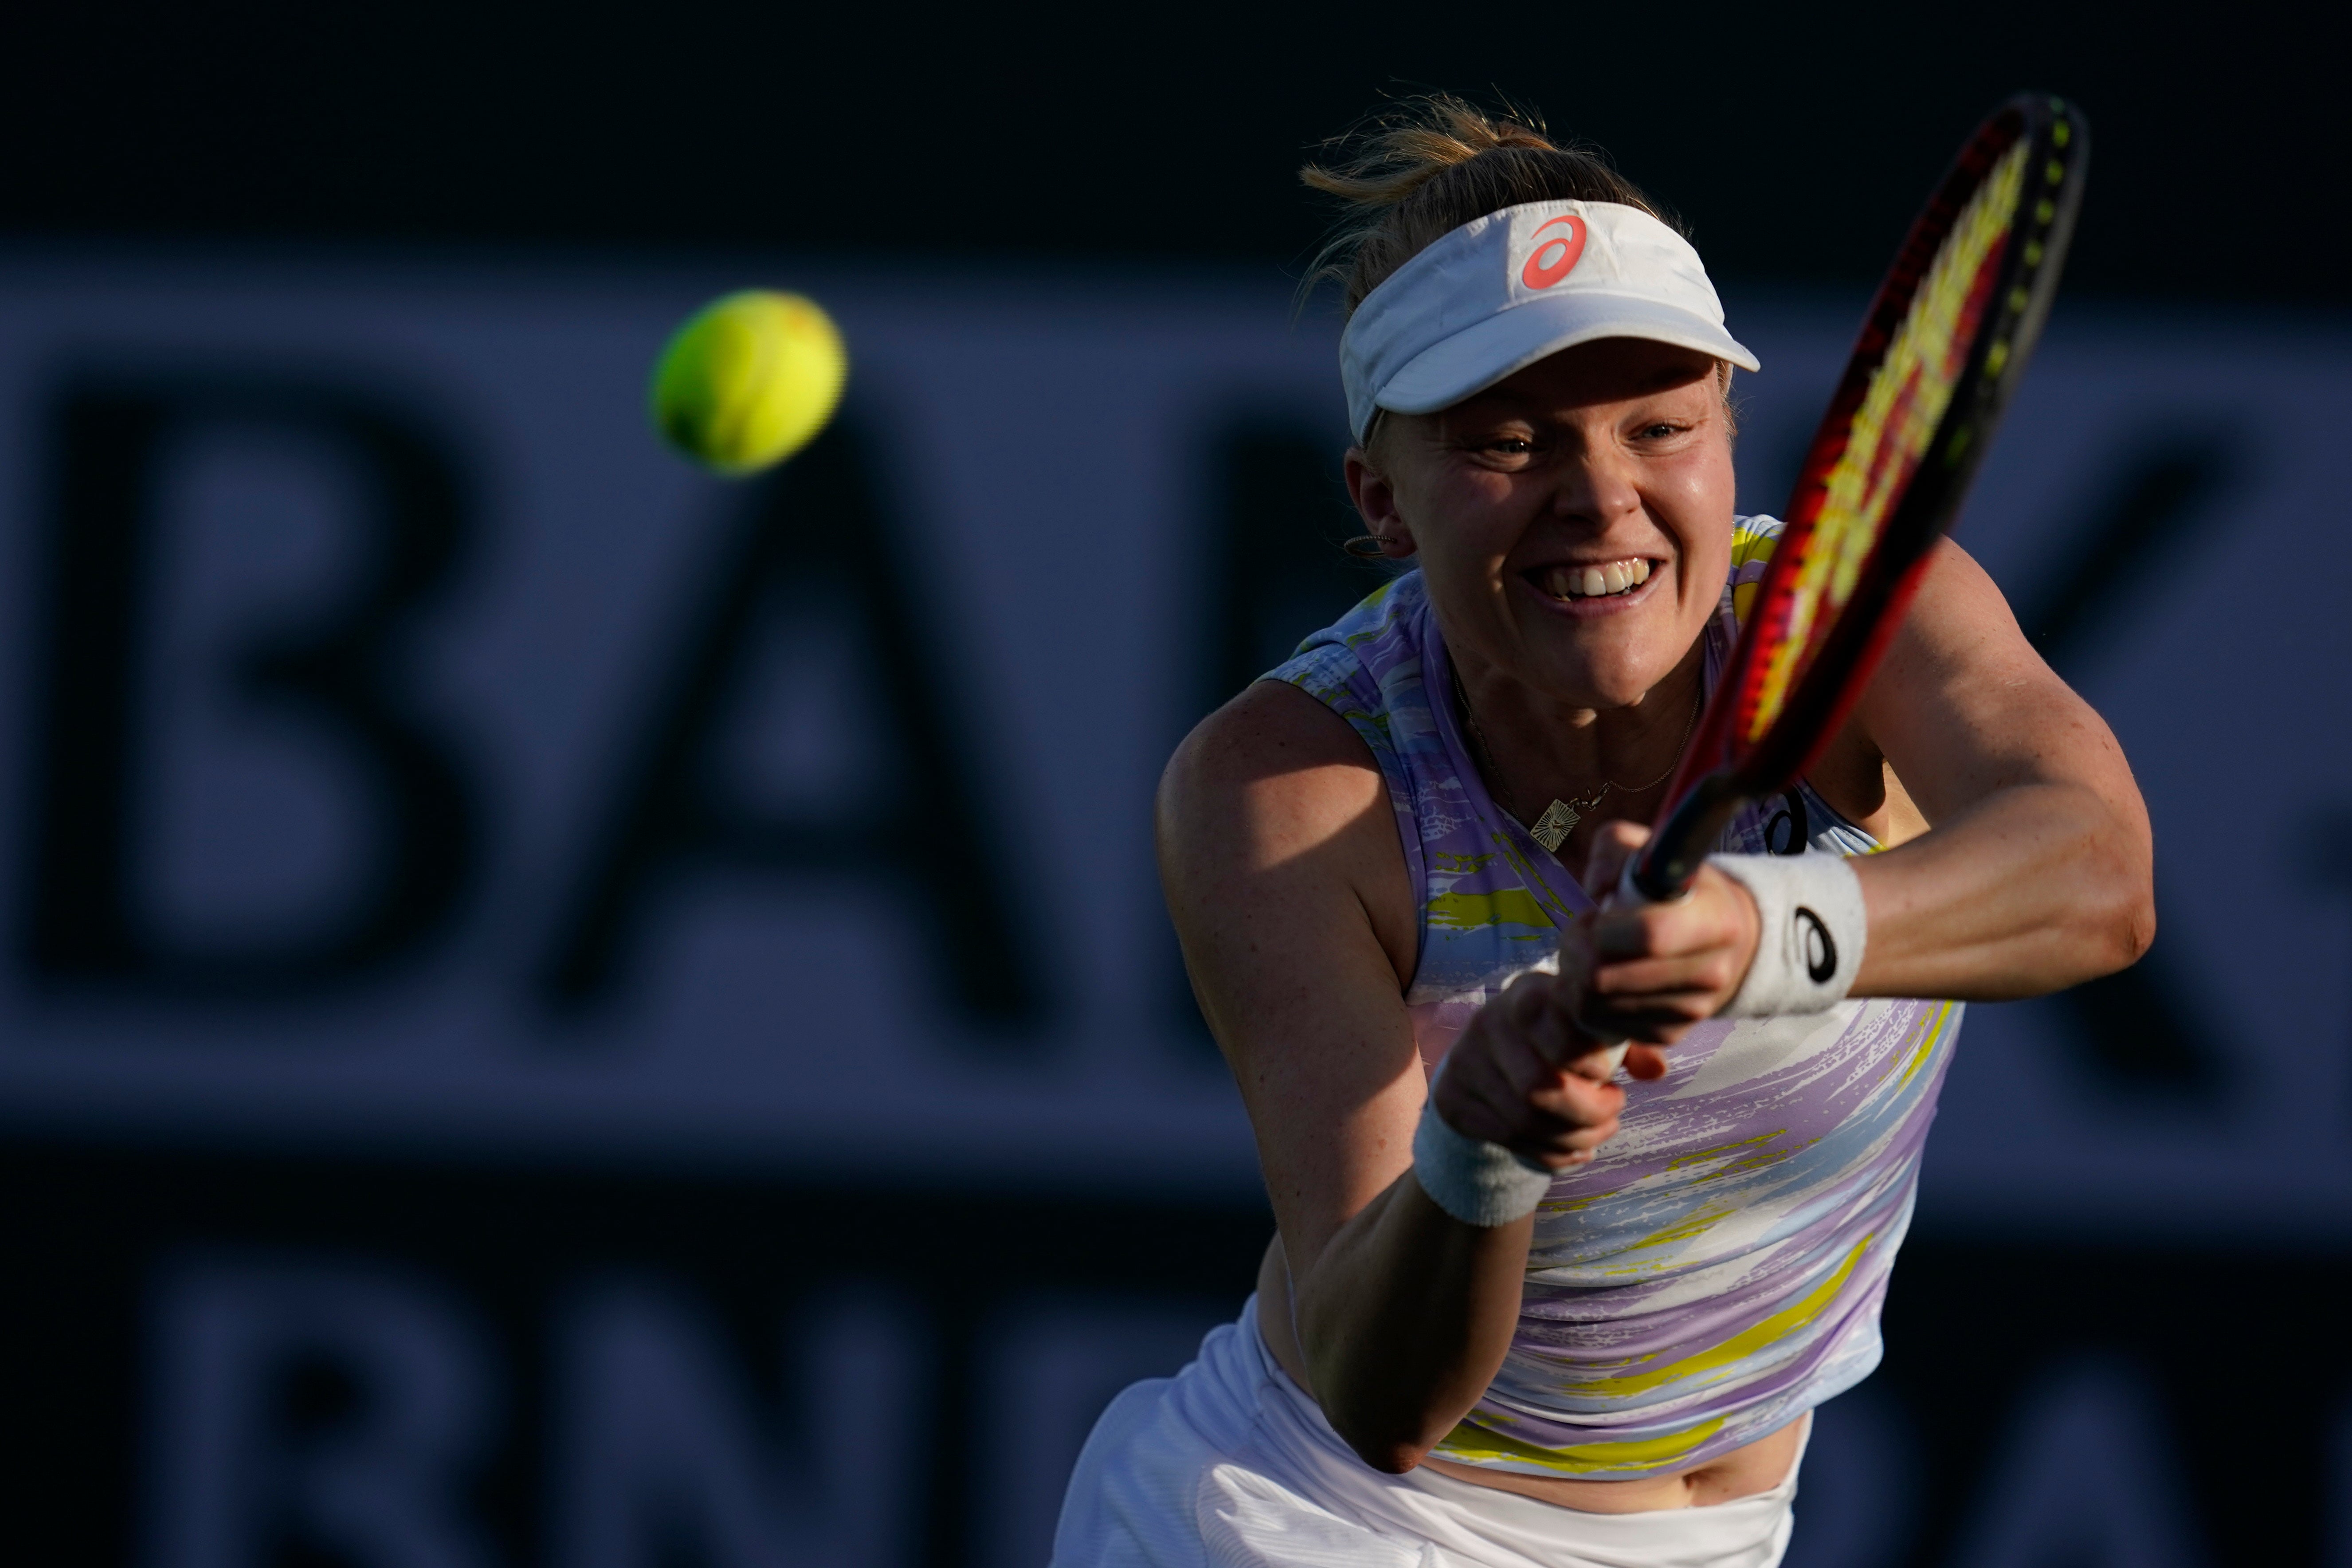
[(1477, 1181), (1814, 928)]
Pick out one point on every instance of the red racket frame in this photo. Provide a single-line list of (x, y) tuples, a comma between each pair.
[(2010, 301)]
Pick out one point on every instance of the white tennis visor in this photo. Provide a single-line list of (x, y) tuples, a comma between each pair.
[(1505, 291)]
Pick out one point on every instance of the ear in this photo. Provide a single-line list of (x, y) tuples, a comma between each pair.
[(1375, 500)]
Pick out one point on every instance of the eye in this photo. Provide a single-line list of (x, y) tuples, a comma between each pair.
[(1660, 431), (1504, 444)]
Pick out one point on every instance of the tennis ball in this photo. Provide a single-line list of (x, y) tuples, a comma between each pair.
[(749, 380)]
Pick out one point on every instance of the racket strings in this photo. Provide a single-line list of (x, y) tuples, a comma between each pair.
[(1889, 432)]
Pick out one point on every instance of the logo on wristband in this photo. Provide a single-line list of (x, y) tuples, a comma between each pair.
[(1821, 952)]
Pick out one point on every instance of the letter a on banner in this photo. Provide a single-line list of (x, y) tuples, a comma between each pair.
[(813, 534)]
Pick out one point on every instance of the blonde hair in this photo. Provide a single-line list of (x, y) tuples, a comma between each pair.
[(1410, 177)]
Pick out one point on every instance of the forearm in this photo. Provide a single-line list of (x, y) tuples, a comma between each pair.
[(1403, 1319), (2034, 889)]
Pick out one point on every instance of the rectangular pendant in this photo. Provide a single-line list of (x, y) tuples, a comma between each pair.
[(1552, 829)]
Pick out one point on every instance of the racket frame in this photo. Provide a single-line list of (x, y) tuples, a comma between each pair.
[(1717, 777)]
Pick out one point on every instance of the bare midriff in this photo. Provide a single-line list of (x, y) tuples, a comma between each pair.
[(1758, 1466)]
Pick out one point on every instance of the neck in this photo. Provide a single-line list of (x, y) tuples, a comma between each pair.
[(1534, 748)]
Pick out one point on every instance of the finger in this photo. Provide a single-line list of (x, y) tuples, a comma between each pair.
[(1570, 1149), (1547, 1134), (1524, 1000), (1595, 1058), (1575, 960), (1554, 1033), (1554, 1145), (1668, 930), (1645, 1062), (1502, 1072), (1522, 1059), (1574, 955), (1568, 1120), (1612, 848), (1475, 1096), (1565, 1043), (1557, 1160), (1711, 971), (1577, 1102), (1525, 1128), (1716, 913), (1654, 1021)]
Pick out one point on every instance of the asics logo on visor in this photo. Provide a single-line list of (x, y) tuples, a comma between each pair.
[(1555, 256)]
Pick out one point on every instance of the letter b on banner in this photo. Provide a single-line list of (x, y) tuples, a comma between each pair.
[(329, 674)]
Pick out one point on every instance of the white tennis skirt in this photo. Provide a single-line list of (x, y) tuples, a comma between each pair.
[(1230, 1464)]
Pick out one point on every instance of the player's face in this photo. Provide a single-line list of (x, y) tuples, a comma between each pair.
[(1573, 522)]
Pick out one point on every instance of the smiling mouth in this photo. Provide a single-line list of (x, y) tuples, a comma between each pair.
[(1604, 581)]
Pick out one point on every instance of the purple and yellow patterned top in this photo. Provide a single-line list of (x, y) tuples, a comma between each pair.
[(1717, 1269)]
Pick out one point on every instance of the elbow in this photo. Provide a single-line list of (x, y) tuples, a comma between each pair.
[(2119, 927), (1386, 1428), (1384, 1432), (1379, 1443), (1391, 1459), (2135, 931)]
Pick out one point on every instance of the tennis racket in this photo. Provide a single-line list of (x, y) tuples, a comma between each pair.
[(1943, 347)]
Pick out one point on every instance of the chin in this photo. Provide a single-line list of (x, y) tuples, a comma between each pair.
[(1598, 689), (1610, 676)]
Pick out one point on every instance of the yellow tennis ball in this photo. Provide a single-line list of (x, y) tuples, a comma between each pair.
[(749, 380)]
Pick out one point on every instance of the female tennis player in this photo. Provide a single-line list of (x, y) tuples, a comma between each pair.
[(1523, 1308)]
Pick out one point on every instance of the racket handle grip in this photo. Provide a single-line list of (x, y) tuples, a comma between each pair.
[(1627, 894), (1670, 860)]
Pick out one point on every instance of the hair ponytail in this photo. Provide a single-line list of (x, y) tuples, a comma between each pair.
[(1410, 177)]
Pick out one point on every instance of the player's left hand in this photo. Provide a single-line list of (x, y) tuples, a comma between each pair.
[(1649, 971)]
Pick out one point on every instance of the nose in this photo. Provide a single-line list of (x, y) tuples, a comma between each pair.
[(1596, 486)]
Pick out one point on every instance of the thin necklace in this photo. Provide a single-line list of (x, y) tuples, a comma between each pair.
[(1560, 817)]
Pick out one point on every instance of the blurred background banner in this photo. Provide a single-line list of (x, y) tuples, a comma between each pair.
[(568, 1012), (423, 757), (559, 1013), (411, 755)]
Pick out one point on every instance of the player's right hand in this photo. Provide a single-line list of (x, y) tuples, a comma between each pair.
[(1523, 1075)]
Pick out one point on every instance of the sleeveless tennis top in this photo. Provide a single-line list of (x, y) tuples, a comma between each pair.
[(1718, 1267)]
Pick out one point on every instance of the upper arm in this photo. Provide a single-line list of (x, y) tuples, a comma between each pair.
[(1279, 855), (1964, 707)]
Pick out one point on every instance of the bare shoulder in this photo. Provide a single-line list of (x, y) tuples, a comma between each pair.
[(1275, 800), (1273, 759), (1961, 655), (1961, 616), (1964, 705)]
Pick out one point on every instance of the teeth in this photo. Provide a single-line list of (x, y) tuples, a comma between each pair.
[(1594, 582)]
